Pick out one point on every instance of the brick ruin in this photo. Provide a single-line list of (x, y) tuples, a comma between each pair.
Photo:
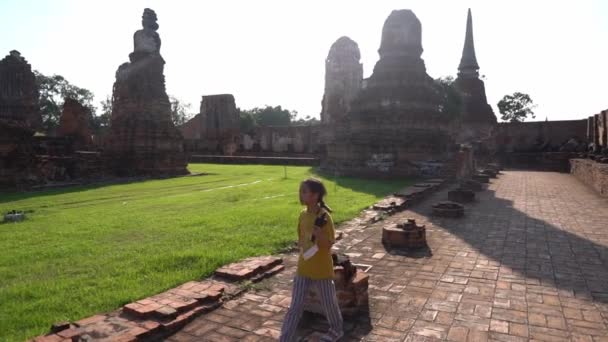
[(143, 139), (478, 119), (19, 119), (216, 130), (216, 127), (591, 167), (395, 125), (74, 124), (343, 77)]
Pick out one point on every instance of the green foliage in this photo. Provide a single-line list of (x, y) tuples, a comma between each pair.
[(100, 123), (53, 90), (91, 249), (452, 98), (516, 107), (268, 116), (180, 111), (307, 120), (246, 121)]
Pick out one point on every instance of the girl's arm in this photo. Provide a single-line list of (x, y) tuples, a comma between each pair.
[(322, 241), (325, 236)]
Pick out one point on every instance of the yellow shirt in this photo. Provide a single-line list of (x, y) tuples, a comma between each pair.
[(320, 265)]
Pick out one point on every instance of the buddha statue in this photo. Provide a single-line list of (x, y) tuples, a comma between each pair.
[(146, 41)]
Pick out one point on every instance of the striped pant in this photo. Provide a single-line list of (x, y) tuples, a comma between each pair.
[(327, 290)]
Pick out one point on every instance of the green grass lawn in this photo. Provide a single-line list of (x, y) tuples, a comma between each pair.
[(91, 249)]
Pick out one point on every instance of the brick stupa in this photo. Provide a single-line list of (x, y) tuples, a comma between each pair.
[(396, 125), (478, 118)]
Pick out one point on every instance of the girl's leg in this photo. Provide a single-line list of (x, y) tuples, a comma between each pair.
[(332, 309), (290, 323)]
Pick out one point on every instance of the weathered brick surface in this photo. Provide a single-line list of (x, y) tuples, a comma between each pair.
[(249, 268), (528, 261)]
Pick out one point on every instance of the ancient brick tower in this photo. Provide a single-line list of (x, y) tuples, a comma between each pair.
[(343, 76), (396, 126), (19, 119), (143, 139), (478, 118)]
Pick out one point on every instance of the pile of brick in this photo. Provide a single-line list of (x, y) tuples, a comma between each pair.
[(254, 269), (161, 315)]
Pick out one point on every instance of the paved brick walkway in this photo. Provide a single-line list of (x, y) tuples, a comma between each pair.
[(529, 261)]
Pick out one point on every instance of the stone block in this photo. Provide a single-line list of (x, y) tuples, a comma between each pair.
[(481, 178), (448, 209), (461, 195)]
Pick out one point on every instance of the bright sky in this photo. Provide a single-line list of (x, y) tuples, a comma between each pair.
[(273, 51)]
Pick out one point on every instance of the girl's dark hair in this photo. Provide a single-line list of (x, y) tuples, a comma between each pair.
[(317, 187)]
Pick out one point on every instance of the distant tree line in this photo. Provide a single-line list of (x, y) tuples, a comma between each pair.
[(271, 116), (54, 89)]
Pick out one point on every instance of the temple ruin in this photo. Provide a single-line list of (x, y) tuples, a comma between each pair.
[(143, 139), (343, 77), (396, 125), (74, 124), (478, 119), (216, 127), (19, 119)]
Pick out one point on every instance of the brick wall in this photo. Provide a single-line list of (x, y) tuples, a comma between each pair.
[(591, 173), (526, 136)]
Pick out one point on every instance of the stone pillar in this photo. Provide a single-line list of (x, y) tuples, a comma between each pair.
[(596, 131), (591, 129), (601, 129)]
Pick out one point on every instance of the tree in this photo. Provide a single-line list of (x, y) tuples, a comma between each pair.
[(270, 116), (53, 90), (452, 97), (100, 123), (516, 107), (180, 111), (307, 120), (246, 121)]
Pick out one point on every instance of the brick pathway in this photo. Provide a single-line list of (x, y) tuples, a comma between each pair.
[(528, 261)]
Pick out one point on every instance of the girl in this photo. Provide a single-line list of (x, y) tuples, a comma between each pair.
[(315, 265)]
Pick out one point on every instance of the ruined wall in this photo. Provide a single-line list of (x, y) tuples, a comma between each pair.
[(538, 136), (591, 173), (283, 139)]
